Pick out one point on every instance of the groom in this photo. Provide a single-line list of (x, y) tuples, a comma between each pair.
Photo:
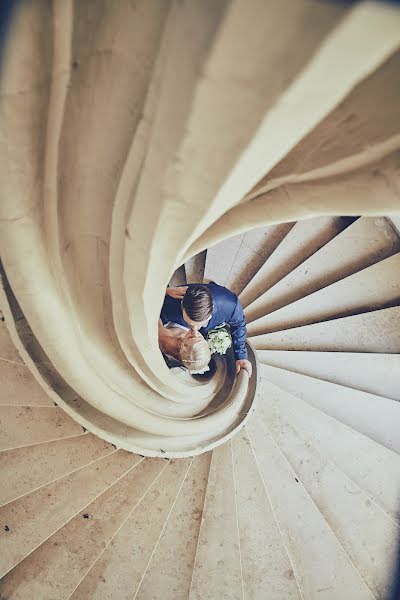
[(205, 306)]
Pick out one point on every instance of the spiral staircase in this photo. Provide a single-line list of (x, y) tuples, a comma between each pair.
[(251, 143)]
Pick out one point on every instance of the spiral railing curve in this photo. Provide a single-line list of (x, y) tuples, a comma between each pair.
[(250, 143)]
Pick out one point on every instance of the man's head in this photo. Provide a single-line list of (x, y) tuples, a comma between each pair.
[(197, 306)]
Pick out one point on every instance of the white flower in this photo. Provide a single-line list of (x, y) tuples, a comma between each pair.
[(219, 341)]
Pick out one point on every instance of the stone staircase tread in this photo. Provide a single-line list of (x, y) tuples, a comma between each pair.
[(178, 277), (257, 245), (368, 536), (267, 569), (319, 560), (58, 565), (195, 266), (365, 242), (27, 425), (370, 289), (301, 242), (34, 517), (169, 572), (19, 387), (374, 331), (371, 466), (217, 565), (375, 373), (8, 351), (29, 468), (220, 259), (375, 416), (120, 568)]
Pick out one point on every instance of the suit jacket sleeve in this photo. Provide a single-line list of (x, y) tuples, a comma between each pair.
[(237, 324)]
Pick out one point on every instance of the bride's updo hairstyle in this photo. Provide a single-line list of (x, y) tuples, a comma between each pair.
[(195, 354)]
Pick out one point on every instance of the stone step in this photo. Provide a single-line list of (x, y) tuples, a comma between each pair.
[(267, 570), (33, 518), (374, 416), (178, 277), (120, 568), (55, 568), (31, 467), (320, 562), (19, 387), (373, 288), (8, 351), (236, 260), (258, 244), (220, 259), (368, 536), (371, 466), (217, 570), (169, 573), (27, 425), (375, 331), (301, 241), (195, 266), (370, 372), (362, 244)]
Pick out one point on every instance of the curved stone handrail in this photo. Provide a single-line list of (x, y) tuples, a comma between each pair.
[(132, 138)]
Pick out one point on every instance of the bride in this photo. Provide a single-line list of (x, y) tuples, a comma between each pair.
[(185, 345)]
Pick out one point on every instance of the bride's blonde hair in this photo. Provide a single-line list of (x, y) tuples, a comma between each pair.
[(195, 357)]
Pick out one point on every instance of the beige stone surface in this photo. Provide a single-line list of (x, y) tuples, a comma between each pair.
[(367, 371), (54, 570), (235, 261), (246, 264), (225, 417), (8, 351), (19, 388), (174, 153), (360, 245), (33, 518), (367, 535), (374, 416), (169, 574), (350, 130), (26, 425), (375, 331), (121, 567), (375, 287), (267, 570), (134, 136), (178, 277), (301, 241), (217, 570), (371, 466), (319, 560), (220, 259), (194, 267), (264, 240), (28, 468)]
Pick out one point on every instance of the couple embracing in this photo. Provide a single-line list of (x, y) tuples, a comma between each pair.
[(189, 313)]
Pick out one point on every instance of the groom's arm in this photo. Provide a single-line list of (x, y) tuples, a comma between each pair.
[(237, 324)]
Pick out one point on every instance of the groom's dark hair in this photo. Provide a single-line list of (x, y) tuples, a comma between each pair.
[(198, 302)]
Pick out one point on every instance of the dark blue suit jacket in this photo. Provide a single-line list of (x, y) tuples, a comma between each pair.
[(227, 309)]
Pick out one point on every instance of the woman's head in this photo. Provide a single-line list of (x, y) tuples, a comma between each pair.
[(194, 351)]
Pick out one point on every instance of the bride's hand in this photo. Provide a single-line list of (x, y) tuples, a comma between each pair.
[(176, 292)]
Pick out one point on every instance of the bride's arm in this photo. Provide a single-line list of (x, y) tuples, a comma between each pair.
[(169, 339), (163, 333)]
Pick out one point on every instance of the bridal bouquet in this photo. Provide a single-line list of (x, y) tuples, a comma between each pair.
[(219, 340)]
